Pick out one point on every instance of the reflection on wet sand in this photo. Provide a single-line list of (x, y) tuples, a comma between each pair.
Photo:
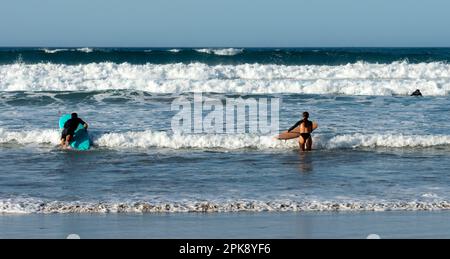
[(306, 162)]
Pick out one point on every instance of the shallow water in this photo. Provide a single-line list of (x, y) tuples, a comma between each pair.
[(366, 157)]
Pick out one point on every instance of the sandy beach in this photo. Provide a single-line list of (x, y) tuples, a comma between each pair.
[(229, 225)]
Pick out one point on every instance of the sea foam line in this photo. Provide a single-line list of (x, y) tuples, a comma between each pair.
[(159, 139), (28, 206)]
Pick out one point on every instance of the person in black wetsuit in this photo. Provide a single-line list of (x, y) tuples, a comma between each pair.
[(69, 129), (306, 127)]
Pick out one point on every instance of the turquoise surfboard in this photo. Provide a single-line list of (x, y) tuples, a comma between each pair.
[(81, 140)]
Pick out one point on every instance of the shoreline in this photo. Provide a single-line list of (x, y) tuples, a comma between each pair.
[(243, 225)]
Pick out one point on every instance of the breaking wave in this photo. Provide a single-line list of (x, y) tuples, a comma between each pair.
[(160, 139), (398, 78)]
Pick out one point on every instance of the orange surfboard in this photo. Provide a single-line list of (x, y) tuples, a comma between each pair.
[(295, 133)]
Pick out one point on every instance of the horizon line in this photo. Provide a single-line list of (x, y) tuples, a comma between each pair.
[(237, 47)]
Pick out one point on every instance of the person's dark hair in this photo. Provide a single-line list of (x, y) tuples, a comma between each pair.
[(74, 115), (306, 115), (305, 119)]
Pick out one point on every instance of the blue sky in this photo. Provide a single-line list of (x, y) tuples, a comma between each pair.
[(246, 23)]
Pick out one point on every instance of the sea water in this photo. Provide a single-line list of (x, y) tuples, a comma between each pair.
[(376, 148)]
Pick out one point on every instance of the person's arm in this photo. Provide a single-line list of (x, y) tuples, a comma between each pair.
[(85, 125), (295, 126), (311, 126)]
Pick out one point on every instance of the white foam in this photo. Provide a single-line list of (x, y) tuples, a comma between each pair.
[(30, 137), (157, 139), (221, 52), (27, 206), (207, 51), (85, 50), (52, 51), (147, 139), (383, 140), (174, 50), (352, 79), (430, 195)]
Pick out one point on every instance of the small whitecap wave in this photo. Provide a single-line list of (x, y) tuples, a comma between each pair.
[(207, 51), (228, 52), (52, 51), (85, 50), (430, 195), (221, 52), (174, 50)]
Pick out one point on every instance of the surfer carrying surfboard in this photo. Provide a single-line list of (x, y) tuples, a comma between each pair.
[(306, 127), (70, 127)]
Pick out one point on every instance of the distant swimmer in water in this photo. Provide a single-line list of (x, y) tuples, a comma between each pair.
[(69, 129), (306, 128), (416, 93)]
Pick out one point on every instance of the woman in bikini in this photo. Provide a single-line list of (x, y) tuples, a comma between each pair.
[(306, 128)]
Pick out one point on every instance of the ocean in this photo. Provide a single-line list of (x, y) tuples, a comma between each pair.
[(376, 148)]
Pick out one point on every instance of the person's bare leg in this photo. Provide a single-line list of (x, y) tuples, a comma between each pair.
[(309, 144), (67, 141), (301, 142), (63, 142)]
